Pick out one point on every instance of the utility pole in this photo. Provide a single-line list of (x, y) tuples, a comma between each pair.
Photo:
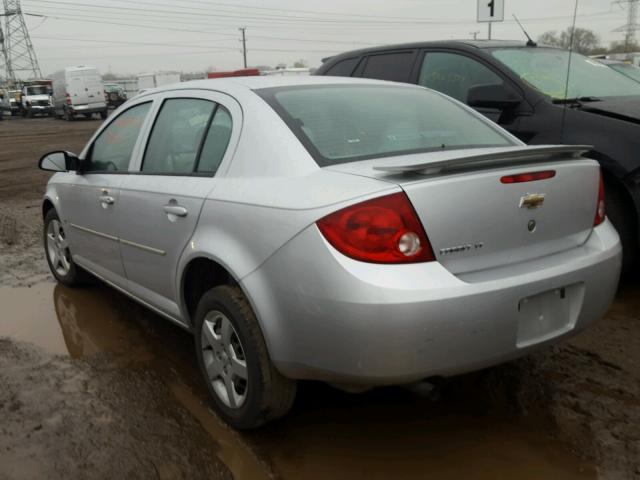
[(489, 34), (244, 45), (17, 50), (632, 25)]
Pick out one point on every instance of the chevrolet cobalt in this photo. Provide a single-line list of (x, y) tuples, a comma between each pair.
[(357, 232)]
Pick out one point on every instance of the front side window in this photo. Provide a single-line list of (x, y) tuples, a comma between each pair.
[(176, 136), (395, 67), (111, 151), (454, 74), (545, 69), (344, 123)]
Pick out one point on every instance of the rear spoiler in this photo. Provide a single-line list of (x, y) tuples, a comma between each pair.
[(539, 154)]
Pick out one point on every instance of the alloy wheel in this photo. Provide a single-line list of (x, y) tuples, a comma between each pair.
[(224, 359), (58, 248)]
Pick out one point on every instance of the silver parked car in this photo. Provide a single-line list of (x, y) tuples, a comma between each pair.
[(357, 232)]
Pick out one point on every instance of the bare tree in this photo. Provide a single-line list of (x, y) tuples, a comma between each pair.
[(584, 40), (623, 47)]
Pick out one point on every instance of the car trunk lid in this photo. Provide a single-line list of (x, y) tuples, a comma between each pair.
[(474, 221)]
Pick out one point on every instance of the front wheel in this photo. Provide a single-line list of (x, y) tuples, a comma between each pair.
[(246, 388), (58, 253)]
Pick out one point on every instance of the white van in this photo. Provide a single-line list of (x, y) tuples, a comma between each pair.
[(78, 90)]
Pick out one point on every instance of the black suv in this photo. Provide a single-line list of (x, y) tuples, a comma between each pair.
[(523, 87)]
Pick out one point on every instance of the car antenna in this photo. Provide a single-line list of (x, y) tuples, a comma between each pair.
[(566, 85), (530, 43)]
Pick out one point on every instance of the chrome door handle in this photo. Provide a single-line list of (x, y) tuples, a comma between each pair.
[(176, 210), (107, 199)]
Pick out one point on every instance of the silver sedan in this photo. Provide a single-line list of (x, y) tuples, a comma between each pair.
[(357, 232)]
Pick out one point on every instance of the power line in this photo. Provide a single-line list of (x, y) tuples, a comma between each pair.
[(280, 19), (263, 37), (128, 43)]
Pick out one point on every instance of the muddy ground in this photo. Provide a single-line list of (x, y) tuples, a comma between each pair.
[(94, 386)]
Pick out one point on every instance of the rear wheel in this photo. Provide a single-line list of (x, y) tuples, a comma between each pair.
[(621, 215), (58, 253), (246, 388)]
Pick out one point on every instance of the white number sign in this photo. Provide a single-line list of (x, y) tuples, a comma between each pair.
[(490, 10)]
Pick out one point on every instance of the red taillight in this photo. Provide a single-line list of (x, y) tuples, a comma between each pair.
[(68, 99), (600, 208), (528, 177), (382, 230)]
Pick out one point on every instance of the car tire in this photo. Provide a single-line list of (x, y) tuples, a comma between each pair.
[(267, 394), (64, 269), (103, 115), (621, 215)]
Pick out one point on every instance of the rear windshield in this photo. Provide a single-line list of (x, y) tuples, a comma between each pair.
[(345, 123)]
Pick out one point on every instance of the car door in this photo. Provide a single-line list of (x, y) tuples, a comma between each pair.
[(91, 199), (162, 202), (454, 74)]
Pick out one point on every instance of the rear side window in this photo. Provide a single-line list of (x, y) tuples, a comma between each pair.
[(216, 142), (344, 123), (344, 68), (176, 136), (454, 74), (395, 67), (111, 152)]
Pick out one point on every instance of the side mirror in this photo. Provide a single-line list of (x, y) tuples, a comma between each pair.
[(493, 96), (59, 161)]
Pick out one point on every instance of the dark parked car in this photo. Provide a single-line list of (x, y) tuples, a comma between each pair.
[(524, 89)]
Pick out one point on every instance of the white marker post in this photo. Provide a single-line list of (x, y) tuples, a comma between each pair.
[(490, 11)]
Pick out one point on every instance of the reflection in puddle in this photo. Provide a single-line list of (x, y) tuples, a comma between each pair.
[(387, 433)]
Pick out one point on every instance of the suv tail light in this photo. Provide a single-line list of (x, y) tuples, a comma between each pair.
[(600, 206), (382, 230)]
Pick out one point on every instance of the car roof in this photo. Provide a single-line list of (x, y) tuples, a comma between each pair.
[(230, 84), (480, 44)]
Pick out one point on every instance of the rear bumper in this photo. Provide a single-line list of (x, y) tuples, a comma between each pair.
[(93, 108), (327, 317)]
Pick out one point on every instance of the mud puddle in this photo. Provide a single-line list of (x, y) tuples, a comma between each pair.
[(467, 431)]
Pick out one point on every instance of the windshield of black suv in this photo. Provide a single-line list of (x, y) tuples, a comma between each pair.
[(345, 123), (38, 90), (545, 69)]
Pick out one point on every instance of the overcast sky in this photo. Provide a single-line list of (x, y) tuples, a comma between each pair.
[(132, 36)]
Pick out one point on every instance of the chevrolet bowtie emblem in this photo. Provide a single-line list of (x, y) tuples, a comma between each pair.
[(532, 200)]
